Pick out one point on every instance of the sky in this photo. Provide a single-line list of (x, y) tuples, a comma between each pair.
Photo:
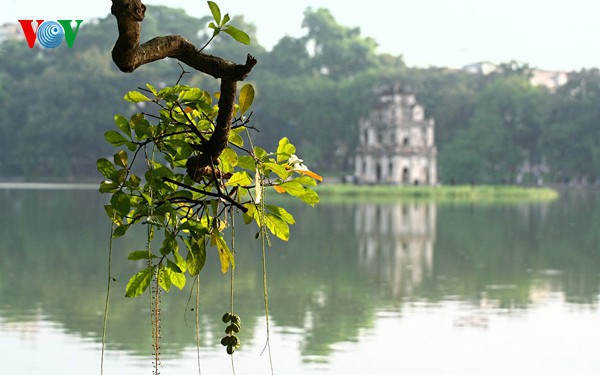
[(546, 34)]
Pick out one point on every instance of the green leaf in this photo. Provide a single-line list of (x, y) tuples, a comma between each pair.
[(172, 265), (278, 169), (282, 213), (141, 126), (237, 34), (293, 188), (169, 246), (134, 182), (284, 150), (115, 138), (120, 231), (246, 162), (225, 19), (196, 257), (246, 97), (136, 97), (310, 196), (216, 12), (139, 282), (121, 158), (260, 153), (241, 178), (277, 226), (194, 226), (152, 89), (107, 169), (108, 186), (191, 95), (110, 212), (305, 180), (123, 125), (235, 138), (230, 157), (164, 278), (131, 146), (225, 255), (250, 214), (177, 277), (140, 254), (120, 202), (180, 262)]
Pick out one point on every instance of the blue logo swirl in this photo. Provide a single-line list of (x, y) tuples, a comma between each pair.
[(50, 34)]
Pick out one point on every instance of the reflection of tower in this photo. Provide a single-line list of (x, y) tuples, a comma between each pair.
[(396, 244)]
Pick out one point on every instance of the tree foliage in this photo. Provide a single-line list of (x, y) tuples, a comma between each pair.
[(308, 95), (201, 167), (193, 210)]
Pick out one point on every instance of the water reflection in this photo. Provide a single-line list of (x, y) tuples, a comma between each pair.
[(395, 244), (348, 270)]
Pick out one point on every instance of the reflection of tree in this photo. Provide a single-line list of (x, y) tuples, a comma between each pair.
[(342, 264), (54, 269), (61, 265), (506, 250), (396, 244), (318, 284)]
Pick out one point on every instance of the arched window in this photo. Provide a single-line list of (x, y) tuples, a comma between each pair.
[(405, 176)]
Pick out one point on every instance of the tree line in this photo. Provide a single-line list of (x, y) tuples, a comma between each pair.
[(57, 103)]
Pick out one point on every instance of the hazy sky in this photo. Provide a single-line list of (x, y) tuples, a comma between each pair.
[(549, 34)]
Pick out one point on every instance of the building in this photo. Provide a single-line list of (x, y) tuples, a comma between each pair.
[(396, 142), (551, 79)]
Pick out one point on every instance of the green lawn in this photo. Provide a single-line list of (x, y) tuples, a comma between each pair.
[(435, 193)]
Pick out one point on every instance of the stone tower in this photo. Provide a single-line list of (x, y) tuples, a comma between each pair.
[(396, 142)]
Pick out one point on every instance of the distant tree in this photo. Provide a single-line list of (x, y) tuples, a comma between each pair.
[(289, 58), (514, 68), (309, 84), (337, 51), (571, 140), (503, 133)]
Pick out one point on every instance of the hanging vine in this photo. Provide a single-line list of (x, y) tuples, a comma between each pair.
[(202, 169)]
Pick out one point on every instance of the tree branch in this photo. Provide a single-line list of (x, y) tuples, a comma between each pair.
[(209, 193), (129, 55)]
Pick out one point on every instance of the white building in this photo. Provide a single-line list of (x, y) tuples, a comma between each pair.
[(396, 142), (547, 78)]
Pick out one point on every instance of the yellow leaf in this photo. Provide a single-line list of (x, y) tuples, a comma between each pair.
[(246, 97), (311, 174), (241, 178), (279, 189), (225, 255)]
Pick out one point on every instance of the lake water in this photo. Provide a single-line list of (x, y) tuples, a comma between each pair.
[(395, 288)]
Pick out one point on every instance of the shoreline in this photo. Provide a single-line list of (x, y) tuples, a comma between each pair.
[(453, 193), (341, 192)]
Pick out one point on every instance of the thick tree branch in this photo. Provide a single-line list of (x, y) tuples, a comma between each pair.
[(129, 55)]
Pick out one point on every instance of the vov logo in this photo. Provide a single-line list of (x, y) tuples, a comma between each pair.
[(50, 34)]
